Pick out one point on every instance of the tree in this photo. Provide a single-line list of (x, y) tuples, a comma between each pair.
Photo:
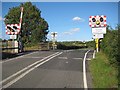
[(34, 28)]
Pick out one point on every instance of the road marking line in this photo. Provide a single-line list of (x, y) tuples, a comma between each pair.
[(62, 57), (33, 57), (84, 72), (94, 54), (28, 71), (18, 57), (77, 58), (88, 59), (15, 74)]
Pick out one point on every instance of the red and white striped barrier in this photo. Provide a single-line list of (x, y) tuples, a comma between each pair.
[(97, 21)]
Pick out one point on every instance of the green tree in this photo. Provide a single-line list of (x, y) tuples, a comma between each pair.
[(34, 28)]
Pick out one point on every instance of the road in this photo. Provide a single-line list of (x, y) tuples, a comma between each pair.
[(47, 69)]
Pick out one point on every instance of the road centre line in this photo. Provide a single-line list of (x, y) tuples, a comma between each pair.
[(84, 72), (27, 68), (28, 71)]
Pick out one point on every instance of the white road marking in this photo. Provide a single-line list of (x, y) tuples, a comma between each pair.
[(33, 57), (88, 59), (62, 57), (66, 62), (77, 58), (94, 54), (26, 68), (84, 72), (28, 71)]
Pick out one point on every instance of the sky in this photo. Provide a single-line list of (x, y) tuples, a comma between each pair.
[(69, 19)]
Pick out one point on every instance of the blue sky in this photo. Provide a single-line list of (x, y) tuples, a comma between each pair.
[(69, 19)]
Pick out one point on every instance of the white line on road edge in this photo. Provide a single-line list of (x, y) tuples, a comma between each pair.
[(94, 54), (26, 68), (17, 57), (84, 72), (28, 71)]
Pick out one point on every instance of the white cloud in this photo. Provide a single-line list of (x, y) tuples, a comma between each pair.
[(78, 19), (72, 31), (1, 18), (75, 29), (67, 33)]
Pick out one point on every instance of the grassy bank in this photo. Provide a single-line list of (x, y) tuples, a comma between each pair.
[(104, 75)]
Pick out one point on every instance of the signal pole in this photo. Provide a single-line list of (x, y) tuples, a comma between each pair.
[(54, 34)]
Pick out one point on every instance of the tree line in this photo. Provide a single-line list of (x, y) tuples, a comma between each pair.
[(34, 28)]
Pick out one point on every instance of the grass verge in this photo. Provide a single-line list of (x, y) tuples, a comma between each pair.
[(103, 74)]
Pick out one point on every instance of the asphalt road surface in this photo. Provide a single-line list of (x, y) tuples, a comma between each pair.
[(47, 69)]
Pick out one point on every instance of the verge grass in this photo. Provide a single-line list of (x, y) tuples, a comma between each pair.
[(104, 75)]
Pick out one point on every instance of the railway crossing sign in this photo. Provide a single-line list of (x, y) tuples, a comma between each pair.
[(97, 36), (98, 25), (12, 29), (97, 21), (100, 30)]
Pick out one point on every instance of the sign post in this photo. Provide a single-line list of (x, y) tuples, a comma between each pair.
[(97, 44), (13, 30), (54, 34), (98, 25)]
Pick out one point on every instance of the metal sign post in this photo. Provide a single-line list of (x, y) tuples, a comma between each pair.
[(54, 34), (14, 29), (97, 44)]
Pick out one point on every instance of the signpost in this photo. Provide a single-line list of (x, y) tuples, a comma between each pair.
[(54, 35), (98, 25), (100, 30), (13, 30)]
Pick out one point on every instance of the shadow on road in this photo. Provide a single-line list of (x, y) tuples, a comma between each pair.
[(6, 55)]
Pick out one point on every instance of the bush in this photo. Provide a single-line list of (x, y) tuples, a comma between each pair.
[(109, 45)]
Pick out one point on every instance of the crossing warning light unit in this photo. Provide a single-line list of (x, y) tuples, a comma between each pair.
[(97, 21)]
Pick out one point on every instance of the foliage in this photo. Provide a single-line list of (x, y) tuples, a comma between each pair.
[(103, 74), (66, 45), (90, 44), (109, 45), (34, 28)]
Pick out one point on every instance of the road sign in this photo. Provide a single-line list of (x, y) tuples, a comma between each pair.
[(97, 21), (95, 36), (13, 36), (12, 29), (100, 30)]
